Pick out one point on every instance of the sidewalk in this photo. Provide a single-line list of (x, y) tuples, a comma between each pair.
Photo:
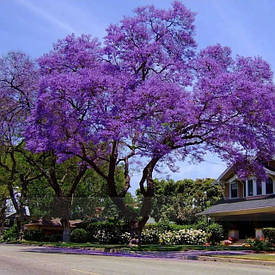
[(178, 255), (172, 255)]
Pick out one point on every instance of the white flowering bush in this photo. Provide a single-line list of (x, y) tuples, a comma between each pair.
[(125, 237), (103, 236), (184, 236), (167, 237), (165, 234), (190, 236), (150, 236)]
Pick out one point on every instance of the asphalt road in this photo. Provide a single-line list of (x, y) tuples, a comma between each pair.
[(19, 260)]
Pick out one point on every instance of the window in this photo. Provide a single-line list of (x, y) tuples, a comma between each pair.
[(259, 187), (269, 186), (234, 190), (250, 187)]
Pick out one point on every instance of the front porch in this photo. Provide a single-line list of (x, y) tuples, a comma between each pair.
[(244, 218)]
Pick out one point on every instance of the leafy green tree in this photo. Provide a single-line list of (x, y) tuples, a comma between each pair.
[(180, 201), (16, 175)]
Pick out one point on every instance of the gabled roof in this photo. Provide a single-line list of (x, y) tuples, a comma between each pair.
[(228, 172)]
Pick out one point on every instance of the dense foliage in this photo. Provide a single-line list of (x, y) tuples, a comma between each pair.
[(181, 201), (269, 234)]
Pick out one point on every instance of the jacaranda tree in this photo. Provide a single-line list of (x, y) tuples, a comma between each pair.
[(19, 85), (148, 94)]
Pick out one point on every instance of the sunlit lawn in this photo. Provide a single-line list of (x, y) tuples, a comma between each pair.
[(256, 256)]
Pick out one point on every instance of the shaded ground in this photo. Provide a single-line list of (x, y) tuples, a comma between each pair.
[(191, 254)]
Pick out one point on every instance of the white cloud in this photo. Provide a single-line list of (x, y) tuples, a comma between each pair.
[(47, 16)]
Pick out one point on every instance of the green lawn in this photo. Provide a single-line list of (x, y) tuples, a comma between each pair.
[(256, 256)]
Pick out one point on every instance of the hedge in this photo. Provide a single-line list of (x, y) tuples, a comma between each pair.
[(269, 233)]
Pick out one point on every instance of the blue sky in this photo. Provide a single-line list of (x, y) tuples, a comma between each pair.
[(246, 26)]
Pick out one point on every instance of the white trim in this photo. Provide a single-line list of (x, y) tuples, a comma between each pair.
[(269, 172), (223, 173), (233, 179)]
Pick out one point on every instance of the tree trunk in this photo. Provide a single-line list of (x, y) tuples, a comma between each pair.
[(3, 215), (20, 219), (20, 228), (136, 228), (64, 211), (66, 236)]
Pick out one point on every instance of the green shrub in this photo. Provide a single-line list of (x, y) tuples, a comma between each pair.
[(258, 245), (53, 238), (107, 232), (34, 235), (79, 235), (202, 225), (39, 236), (10, 234), (184, 236), (163, 227), (150, 235), (269, 233), (215, 232), (163, 233)]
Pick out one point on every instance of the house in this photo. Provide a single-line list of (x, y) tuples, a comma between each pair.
[(49, 226), (247, 206)]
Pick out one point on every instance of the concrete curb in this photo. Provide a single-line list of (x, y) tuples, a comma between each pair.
[(234, 260)]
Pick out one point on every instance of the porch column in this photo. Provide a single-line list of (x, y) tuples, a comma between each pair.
[(263, 187), (246, 187)]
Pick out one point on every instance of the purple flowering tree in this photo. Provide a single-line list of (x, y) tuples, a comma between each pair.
[(19, 84), (18, 88), (149, 94)]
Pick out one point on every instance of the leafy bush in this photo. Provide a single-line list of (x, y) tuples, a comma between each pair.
[(39, 236), (34, 235), (79, 235), (202, 225), (215, 232), (53, 238), (258, 245), (106, 232), (184, 236), (163, 227), (10, 234), (269, 233), (150, 235), (163, 233), (190, 236)]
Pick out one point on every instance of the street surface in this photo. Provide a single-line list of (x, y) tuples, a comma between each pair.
[(23, 260)]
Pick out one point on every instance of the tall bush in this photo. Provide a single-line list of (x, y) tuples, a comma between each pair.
[(269, 233)]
